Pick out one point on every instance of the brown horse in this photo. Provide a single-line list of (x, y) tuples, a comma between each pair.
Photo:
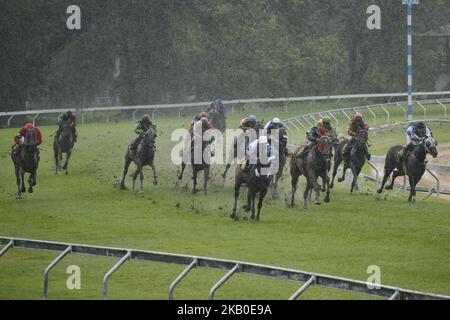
[(315, 165)]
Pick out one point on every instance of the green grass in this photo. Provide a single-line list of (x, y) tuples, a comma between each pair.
[(410, 243)]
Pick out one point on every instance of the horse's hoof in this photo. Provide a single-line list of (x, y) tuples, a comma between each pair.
[(305, 207), (379, 191), (18, 196), (327, 200), (155, 183), (67, 173), (323, 190), (223, 176), (194, 191), (388, 187), (22, 189), (30, 190), (292, 205), (252, 217), (331, 186), (246, 208), (341, 179), (317, 203)]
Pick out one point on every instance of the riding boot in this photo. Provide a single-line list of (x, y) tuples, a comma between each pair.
[(348, 149), (304, 152), (136, 142)]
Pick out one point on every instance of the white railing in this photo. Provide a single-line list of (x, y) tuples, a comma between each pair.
[(232, 103), (307, 278)]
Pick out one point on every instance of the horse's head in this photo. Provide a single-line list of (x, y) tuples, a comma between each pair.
[(149, 136), (430, 146), (362, 137), (31, 138), (325, 146)]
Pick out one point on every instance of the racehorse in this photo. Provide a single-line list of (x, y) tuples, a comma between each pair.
[(315, 165), (256, 184), (26, 159), (413, 166), (142, 156), (355, 161), (63, 143), (242, 142), (197, 167), (218, 120)]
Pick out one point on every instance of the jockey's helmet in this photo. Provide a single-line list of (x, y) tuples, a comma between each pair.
[(204, 114), (358, 115), (326, 120), (251, 118)]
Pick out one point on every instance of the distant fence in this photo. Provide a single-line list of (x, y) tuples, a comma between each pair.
[(231, 103), (232, 267)]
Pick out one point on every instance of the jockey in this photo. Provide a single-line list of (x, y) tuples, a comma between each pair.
[(275, 123), (415, 132), (21, 137), (248, 122), (356, 124), (325, 123), (253, 151), (216, 105), (69, 118), (312, 136), (142, 125), (200, 126)]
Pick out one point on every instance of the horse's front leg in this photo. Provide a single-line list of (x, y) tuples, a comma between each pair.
[(306, 194), (194, 178), (343, 172), (22, 180), (155, 180), (206, 177), (183, 166), (19, 192), (31, 181), (125, 171), (135, 174), (237, 187), (387, 172), (355, 177), (294, 181), (337, 162), (141, 178), (326, 181), (395, 174), (224, 174), (262, 194), (66, 164), (412, 191), (252, 195)]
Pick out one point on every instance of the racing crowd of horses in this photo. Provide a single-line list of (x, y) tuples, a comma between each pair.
[(316, 164)]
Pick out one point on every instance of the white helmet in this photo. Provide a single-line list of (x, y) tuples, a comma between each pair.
[(276, 120), (262, 139)]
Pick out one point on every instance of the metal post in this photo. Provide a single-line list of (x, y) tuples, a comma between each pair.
[(409, 59), (286, 106), (334, 118), (309, 122), (107, 117), (51, 266), (300, 123), (387, 113), (346, 115), (303, 288), (7, 247), (298, 131), (110, 272), (403, 109), (395, 296), (377, 175), (134, 114), (153, 114), (444, 107), (181, 277), (9, 120), (373, 115), (438, 183), (34, 119), (424, 109), (82, 118), (223, 280)]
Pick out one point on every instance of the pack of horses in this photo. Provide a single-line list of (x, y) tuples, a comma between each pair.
[(316, 164)]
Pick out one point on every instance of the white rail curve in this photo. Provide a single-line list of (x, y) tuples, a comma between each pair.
[(232, 103), (231, 267)]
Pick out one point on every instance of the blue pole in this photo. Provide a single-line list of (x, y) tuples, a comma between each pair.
[(410, 66)]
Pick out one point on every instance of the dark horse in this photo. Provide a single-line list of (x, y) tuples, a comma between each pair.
[(282, 141), (315, 165), (197, 167), (255, 185), (63, 143), (26, 159), (355, 161), (218, 120), (241, 141), (414, 165), (142, 156)]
